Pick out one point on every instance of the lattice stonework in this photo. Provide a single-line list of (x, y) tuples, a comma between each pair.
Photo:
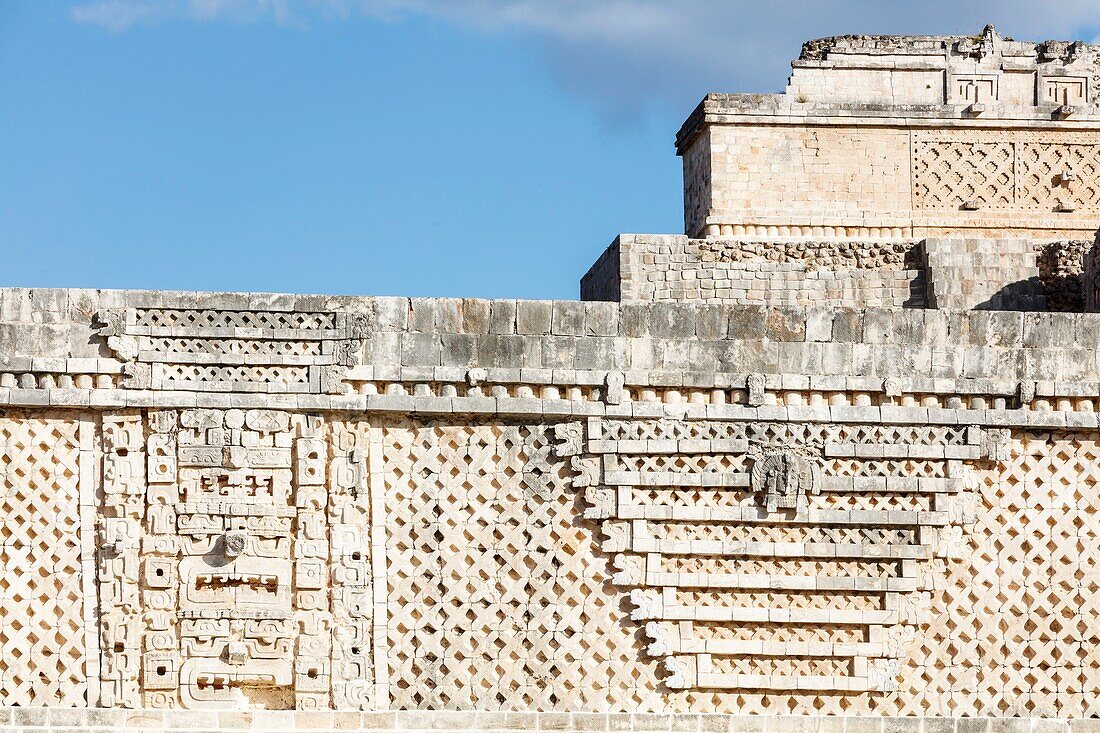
[(42, 638), (951, 175), (1006, 171), (1042, 167), (202, 350), (270, 559), (497, 596), (1014, 628)]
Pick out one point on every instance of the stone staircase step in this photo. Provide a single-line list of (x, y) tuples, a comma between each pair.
[(985, 260), (982, 274)]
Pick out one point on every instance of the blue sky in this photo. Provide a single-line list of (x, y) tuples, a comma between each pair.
[(482, 148)]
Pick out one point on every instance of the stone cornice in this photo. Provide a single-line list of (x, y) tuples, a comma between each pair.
[(777, 109)]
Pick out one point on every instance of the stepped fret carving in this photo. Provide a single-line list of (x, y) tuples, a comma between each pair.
[(757, 530), (205, 350)]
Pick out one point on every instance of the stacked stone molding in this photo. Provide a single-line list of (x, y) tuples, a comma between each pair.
[(826, 461)]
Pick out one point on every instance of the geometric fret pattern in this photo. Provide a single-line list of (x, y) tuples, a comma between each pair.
[(42, 641)]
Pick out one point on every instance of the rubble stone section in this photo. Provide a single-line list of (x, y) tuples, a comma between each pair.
[(1062, 273), (826, 460), (640, 267)]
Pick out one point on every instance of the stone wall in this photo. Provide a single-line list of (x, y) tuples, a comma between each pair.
[(370, 503), (604, 280), (741, 480), (849, 179), (1003, 274), (697, 177), (789, 169), (43, 720)]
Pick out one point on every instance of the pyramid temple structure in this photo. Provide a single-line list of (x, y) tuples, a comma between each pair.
[(827, 461)]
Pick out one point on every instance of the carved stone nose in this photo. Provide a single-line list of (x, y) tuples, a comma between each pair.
[(236, 652), (235, 541)]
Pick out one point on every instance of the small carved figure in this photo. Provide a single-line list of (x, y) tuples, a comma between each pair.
[(784, 479), (615, 383), (755, 384), (570, 436), (1026, 392)]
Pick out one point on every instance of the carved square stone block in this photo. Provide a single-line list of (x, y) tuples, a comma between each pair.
[(159, 572), (160, 671), (310, 574)]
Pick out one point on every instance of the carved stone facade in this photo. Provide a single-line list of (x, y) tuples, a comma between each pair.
[(603, 536), (864, 501)]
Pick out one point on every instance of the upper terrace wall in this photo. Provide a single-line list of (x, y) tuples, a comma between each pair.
[(903, 137), (793, 170)]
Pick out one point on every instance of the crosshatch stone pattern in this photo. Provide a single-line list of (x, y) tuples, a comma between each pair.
[(41, 592), (826, 461), (41, 573), (498, 597)]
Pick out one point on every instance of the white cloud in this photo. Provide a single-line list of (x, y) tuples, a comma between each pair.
[(115, 15), (121, 15), (625, 54)]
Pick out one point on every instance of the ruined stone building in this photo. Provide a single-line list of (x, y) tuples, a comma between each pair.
[(833, 452)]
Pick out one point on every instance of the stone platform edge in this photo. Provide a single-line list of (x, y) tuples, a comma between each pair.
[(86, 720)]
